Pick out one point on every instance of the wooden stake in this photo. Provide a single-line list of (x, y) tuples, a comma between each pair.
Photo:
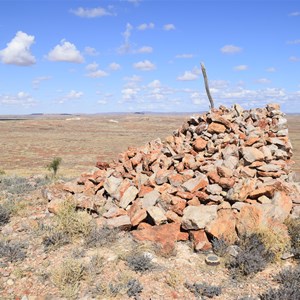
[(207, 87)]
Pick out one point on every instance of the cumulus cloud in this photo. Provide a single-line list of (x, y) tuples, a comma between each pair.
[(91, 51), (145, 65), (144, 49), (17, 51), (66, 51), (132, 79), (294, 58), (241, 68), (37, 81), (187, 76), (145, 26), (19, 99), (91, 12), (169, 27), (94, 71), (114, 66), (72, 95), (185, 55), (230, 49)]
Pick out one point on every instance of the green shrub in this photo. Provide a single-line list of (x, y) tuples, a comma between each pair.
[(54, 165)]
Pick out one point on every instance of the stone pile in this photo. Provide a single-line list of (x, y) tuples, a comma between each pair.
[(222, 174)]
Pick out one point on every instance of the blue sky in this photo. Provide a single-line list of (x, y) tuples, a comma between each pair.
[(134, 55)]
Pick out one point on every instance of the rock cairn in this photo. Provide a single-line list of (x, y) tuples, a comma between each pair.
[(222, 174)]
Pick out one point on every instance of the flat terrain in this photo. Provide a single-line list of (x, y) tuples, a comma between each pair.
[(29, 143)]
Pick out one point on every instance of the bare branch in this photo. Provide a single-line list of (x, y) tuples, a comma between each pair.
[(207, 87)]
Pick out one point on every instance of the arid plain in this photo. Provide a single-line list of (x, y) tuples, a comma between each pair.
[(29, 143)]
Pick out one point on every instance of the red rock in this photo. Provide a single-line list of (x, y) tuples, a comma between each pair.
[(73, 188), (172, 216), (199, 144), (185, 195), (164, 235), (183, 236), (224, 172), (251, 154), (144, 190), (213, 176), (195, 184), (241, 190), (175, 179), (180, 167), (136, 159), (216, 128), (121, 222), (227, 183), (143, 225), (249, 219), (251, 140), (102, 165), (223, 226), (267, 190), (178, 205), (194, 202), (202, 196), (200, 240)]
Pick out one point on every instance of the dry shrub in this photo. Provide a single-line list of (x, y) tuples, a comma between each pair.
[(67, 277), (71, 222), (293, 226)]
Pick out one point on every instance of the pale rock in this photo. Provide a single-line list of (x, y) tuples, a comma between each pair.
[(197, 217), (214, 189), (195, 184), (157, 214), (121, 222), (129, 196), (252, 154), (111, 184), (150, 199)]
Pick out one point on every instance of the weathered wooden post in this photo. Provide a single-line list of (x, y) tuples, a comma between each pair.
[(211, 100)]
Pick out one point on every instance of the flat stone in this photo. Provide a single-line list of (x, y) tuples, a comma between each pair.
[(128, 197), (214, 189), (199, 144), (195, 184), (252, 154), (242, 189), (200, 240), (157, 214), (111, 184), (150, 199), (197, 217), (121, 222), (216, 128)]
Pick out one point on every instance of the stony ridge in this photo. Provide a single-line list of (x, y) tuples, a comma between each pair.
[(222, 174)]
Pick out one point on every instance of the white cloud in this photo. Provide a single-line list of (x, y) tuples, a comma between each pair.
[(126, 46), (295, 14), (230, 49), (155, 84), (146, 26), (114, 66), (145, 49), (271, 69), (263, 80), (133, 79), (198, 99), (187, 76), (91, 51), (185, 55), (72, 95), (92, 67), (294, 58), (36, 82), (17, 51), (129, 94), (145, 65), (97, 74), (169, 27), (66, 51), (19, 99), (91, 12), (104, 98), (241, 68)]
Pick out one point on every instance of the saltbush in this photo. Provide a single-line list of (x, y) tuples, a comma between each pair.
[(203, 290), (12, 251), (4, 215), (139, 262)]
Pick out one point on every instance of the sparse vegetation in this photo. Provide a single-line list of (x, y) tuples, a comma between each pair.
[(54, 165), (203, 290), (67, 277), (55, 240), (294, 233), (253, 257), (98, 237), (219, 246), (4, 215), (12, 251), (2, 172), (134, 287), (71, 222), (140, 262), (289, 280)]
